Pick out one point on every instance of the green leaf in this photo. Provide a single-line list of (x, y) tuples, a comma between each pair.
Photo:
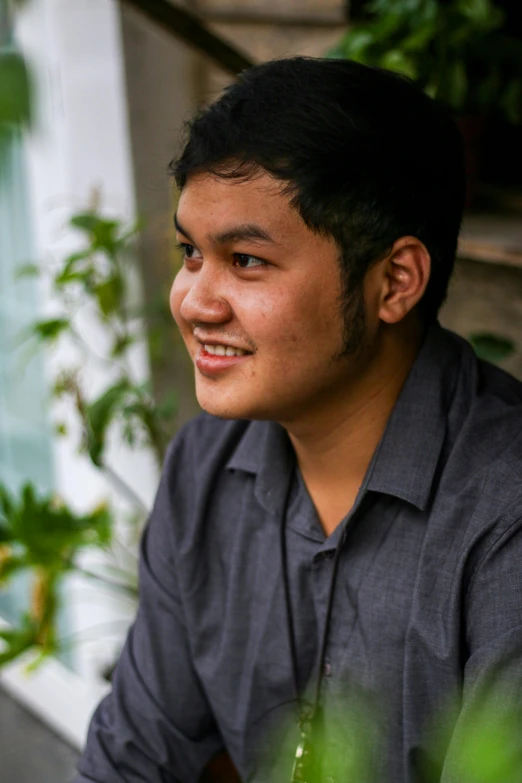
[(49, 331), (85, 221), (70, 272), (109, 295), (356, 43), (488, 750), (98, 527), (420, 39), (100, 414), (121, 344), (47, 533), (491, 347), (65, 383), (388, 27), (17, 640), (10, 565), (397, 61), (481, 13), (6, 503), (15, 90), (101, 231)]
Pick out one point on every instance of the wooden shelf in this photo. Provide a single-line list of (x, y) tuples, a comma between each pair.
[(235, 14), (492, 238)]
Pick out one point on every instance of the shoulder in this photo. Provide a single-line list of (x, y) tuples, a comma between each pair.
[(484, 412), (494, 425), (481, 476)]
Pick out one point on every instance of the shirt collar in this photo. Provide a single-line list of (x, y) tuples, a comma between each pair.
[(265, 450), (406, 459)]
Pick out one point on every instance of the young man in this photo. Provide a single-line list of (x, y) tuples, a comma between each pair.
[(331, 580)]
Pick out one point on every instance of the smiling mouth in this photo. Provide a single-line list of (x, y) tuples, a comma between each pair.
[(224, 350)]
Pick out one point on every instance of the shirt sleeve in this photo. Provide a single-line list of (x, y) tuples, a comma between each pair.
[(156, 725), (486, 743)]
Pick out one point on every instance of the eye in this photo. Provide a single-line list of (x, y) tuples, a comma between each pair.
[(244, 261), (189, 251)]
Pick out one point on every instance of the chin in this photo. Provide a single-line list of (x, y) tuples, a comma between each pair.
[(217, 404), (230, 408), (229, 411), (221, 411)]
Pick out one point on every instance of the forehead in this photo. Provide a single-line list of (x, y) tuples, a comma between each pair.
[(212, 202)]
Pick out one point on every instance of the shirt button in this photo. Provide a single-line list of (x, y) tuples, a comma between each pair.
[(321, 557)]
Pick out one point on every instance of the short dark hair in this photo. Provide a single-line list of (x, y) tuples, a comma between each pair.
[(366, 155)]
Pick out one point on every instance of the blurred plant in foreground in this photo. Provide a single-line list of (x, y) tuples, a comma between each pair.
[(482, 743), (15, 82), (477, 743), (41, 534), (44, 536)]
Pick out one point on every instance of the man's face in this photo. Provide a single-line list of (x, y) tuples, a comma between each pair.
[(260, 287)]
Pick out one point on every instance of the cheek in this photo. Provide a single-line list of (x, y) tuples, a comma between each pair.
[(270, 317), (292, 325)]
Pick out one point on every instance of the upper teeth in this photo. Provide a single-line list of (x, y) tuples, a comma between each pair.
[(224, 350)]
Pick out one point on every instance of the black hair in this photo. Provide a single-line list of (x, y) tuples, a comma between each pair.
[(366, 156)]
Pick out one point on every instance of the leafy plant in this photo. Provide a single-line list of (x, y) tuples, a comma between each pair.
[(349, 743), (43, 536), (40, 534), (15, 84), (492, 347), (455, 49), (96, 279)]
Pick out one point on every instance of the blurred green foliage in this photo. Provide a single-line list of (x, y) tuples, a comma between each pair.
[(481, 744), (456, 50), (491, 347), (41, 534), (96, 279), (15, 90), (16, 94)]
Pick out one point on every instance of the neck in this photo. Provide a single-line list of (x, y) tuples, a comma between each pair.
[(335, 444)]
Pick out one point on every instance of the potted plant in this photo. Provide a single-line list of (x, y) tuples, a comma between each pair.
[(455, 49)]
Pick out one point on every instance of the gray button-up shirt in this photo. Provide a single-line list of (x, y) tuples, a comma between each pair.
[(427, 612)]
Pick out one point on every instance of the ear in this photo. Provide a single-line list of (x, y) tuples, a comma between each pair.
[(406, 272)]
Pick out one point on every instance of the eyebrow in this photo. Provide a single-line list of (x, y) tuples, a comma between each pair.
[(243, 231)]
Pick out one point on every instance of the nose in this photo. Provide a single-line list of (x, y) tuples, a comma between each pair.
[(203, 298)]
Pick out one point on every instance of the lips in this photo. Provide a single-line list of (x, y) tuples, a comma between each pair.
[(213, 359)]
